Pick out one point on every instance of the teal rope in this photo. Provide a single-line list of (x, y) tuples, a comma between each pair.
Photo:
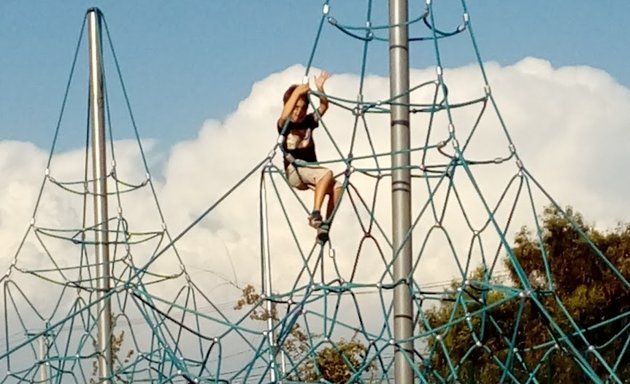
[(171, 320)]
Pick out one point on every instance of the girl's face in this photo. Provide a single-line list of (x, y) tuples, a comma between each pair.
[(299, 111)]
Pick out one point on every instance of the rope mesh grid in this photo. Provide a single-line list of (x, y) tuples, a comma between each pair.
[(179, 324)]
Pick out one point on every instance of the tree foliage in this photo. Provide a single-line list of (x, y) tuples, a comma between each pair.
[(336, 362), (571, 303)]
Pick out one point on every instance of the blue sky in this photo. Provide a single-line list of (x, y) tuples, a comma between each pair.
[(186, 61)]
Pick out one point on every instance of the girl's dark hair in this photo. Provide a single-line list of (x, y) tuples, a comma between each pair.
[(289, 92)]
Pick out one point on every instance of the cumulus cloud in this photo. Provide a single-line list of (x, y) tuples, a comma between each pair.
[(568, 126)]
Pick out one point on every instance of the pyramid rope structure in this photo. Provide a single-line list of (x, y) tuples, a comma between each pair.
[(171, 327)]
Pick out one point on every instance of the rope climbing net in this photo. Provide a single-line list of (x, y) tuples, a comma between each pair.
[(324, 311)]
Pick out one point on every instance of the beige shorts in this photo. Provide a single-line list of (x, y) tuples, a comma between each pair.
[(306, 177)]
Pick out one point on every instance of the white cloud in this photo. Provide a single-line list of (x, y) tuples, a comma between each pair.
[(568, 125)]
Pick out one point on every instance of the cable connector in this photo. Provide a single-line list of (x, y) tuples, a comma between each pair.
[(512, 148)]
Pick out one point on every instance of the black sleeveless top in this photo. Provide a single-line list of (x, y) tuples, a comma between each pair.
[(295, 134)]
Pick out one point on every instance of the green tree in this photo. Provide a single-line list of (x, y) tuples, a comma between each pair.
[(487, 334), (335, 363)]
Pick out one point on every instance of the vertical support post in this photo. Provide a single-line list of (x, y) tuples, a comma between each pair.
[(43, 357), (99, 158), (266, 279), (401, 189)]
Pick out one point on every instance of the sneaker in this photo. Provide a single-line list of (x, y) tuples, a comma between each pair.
[(322, 234), (315, 219)]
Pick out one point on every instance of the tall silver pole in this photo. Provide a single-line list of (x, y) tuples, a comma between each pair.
[(266, 277), (97, 121), (401, 188)]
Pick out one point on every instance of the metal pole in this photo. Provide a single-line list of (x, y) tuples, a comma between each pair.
[(97, 121), (266, 278), (401, 189), (43, 357)]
